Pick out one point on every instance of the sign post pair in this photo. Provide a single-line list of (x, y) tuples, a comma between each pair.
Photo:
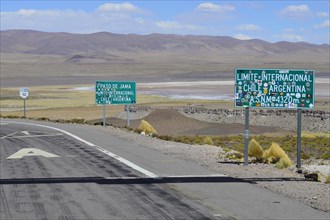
[(115, 93), (274, 89)]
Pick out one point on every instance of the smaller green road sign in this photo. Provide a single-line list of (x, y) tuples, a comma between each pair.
[(274, 88), (115, 93)]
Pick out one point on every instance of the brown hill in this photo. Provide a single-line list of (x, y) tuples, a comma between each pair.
[(35, 42), (39, 58)]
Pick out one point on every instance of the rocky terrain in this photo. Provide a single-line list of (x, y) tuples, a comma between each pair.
[(316, 121)]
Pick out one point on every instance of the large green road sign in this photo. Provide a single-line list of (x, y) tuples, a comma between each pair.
[(116, 93), (274, 88)]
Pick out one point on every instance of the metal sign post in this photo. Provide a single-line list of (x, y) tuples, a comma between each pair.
[(103, 109), (103, 115), (24, 109), (299, 139), (24, 93), (127, 114), (246, 147)]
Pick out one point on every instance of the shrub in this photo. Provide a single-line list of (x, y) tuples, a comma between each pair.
[(76, 121), (12, 116), (208, 140), (138, 130), (226, 149), (305, 156), (328, 179), (165, 138), (272, 159), (284, 162), (325, 156), (274, 151), (43, 119), (235, 156), (185, 139), (154, 135), (275, 154), (255, 149), (147, 127)]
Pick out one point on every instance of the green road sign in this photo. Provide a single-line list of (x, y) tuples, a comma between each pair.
[(115, 93), (274, 88)]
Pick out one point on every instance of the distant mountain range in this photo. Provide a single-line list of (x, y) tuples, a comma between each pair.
[(39, 58), (104, 43)]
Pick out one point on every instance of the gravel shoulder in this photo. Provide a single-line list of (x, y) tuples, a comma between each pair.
[(286, 181)]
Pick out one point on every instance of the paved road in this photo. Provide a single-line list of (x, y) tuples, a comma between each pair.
[(82, 172)]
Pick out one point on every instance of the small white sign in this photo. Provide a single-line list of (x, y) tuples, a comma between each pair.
[(24, 92)]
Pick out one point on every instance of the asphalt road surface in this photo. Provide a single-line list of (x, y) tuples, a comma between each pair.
[(58, 171)]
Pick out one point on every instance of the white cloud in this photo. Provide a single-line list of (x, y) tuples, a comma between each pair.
[(242, 37), (27, 12), (288, 30), (322, 14), (325, 24), (296, 11), (249, 27), (291, 37), (118, 7), (174, 25), (140, 20), (71, 21), (25, 15), (210, 7), (168, 24), (33, 12)]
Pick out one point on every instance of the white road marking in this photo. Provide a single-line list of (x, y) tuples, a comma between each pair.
[(8, 135), (31, 152), (39, 135), (128, 163), (122, 160), (1, 123), (25, 132)]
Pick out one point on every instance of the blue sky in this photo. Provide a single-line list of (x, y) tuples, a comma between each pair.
[(271, 21)]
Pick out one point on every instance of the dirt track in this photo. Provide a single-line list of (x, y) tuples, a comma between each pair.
[(171, 122)]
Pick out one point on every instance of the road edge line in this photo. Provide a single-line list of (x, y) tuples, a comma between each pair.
[(119, 158)]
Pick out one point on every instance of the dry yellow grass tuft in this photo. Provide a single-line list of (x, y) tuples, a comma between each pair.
[(255, 149), (208, 140), (275, 154), (328, 179), (284, 163), (274, 151), (147, 127)]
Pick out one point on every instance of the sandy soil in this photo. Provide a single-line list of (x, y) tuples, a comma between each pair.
[(171, 122)]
